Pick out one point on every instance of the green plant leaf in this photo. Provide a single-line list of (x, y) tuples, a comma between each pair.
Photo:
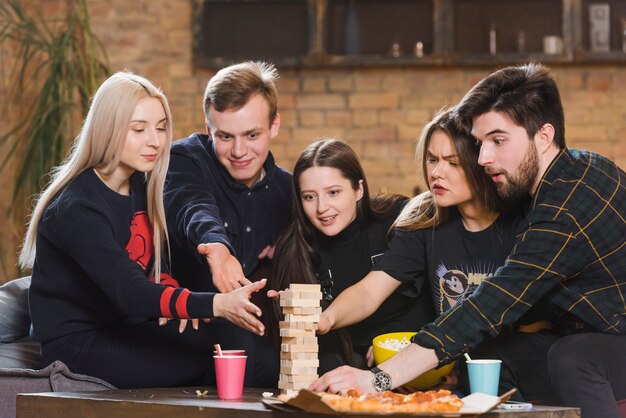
[(59, 63)]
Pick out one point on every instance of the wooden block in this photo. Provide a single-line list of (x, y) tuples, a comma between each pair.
[(300, 326), (290, 295), (298, 355), (299, 287), (300, 363), (301, 318), (300, 302), (292, 325), (287, 383), (290, 393), (294, 348), (293, 385), (290, 317), (299, 370), (297, 332), (306, 310), (297, 378), (299, 340)]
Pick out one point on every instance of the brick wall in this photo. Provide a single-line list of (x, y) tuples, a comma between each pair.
[(378, 111)]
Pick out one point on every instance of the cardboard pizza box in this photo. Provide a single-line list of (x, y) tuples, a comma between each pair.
[(474, 404)]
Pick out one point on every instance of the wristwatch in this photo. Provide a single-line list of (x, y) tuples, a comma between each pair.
[(381, 381)]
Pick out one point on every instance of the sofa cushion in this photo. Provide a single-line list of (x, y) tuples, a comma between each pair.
[(54, 378), (21, 354), (14, 312)]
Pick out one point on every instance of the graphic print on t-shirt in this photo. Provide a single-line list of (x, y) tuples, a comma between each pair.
[(458, 283), (139, 246)]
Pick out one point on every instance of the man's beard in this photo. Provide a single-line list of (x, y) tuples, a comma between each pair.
[(518, 185)]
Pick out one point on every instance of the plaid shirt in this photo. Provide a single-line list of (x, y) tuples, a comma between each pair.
[(569, 260)]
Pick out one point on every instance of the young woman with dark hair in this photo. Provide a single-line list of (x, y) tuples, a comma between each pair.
[(450, 236), (337, 234)]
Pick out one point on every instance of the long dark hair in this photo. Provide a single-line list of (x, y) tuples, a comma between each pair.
[(294, 259)]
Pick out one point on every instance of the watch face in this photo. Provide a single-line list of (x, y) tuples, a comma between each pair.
[(382, 381)]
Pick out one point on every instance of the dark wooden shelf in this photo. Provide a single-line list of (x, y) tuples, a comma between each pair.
[(310, 33), (450, 60)]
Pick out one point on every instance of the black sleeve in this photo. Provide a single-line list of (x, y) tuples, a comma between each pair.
[(85, 233), (405, 259), (193, 216)]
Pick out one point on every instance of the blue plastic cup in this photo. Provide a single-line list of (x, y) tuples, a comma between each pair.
[(484, 376)]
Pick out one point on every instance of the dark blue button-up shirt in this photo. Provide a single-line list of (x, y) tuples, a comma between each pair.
[(204, 204)]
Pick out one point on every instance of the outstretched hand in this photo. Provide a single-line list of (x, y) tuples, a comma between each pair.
[(236, 307), (225, 268), (342, 379), (195, 323)]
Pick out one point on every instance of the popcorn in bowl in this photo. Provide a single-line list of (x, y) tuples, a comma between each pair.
[(394, 344), (387, 345)]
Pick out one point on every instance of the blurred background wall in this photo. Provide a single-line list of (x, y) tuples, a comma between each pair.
[(378, 110)]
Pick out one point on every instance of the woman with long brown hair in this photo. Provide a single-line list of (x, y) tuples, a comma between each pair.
[(337, 234), (452, 236)]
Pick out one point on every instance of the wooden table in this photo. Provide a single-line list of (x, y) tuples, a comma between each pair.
[(185, 403)]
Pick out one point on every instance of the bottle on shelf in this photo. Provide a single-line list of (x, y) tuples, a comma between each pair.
[(521, 42), (418, 51), (493, 34), (395, 50)]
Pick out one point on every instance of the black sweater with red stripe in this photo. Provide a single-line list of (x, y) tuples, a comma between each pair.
[(94, 250)]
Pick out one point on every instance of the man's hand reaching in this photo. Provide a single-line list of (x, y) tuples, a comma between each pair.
[(225, 268)]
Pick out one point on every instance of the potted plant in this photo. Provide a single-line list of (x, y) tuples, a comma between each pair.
[(55, 65)]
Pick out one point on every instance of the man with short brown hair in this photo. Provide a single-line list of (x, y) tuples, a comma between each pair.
[(226, 201)]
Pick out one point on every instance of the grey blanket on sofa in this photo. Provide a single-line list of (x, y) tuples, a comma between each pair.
[(20, 357)]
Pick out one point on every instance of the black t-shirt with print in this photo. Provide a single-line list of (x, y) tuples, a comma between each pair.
[(453, 259)]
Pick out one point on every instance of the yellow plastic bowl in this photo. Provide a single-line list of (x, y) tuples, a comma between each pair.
[(423, 381)]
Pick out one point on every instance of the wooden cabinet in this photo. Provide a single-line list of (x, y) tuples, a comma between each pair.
[(318, 33)]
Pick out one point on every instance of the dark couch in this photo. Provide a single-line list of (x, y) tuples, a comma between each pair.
[(20, 357)]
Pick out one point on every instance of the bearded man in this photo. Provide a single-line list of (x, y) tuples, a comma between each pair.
[(567, 268)]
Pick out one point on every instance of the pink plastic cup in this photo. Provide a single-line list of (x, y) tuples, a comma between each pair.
[(230, 353), (229, 373)]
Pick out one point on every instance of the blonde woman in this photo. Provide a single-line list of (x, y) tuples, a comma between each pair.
[(95, 243)]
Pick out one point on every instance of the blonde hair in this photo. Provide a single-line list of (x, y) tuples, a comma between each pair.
[(99, 145)]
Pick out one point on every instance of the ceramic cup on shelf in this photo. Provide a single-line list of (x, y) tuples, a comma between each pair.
[(552, 45)]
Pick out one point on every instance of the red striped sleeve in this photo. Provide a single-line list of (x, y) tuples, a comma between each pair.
[(166, 298), (181, 304), (167, 280)]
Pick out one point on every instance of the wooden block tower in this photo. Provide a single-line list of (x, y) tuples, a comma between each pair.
[(298, 348)]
